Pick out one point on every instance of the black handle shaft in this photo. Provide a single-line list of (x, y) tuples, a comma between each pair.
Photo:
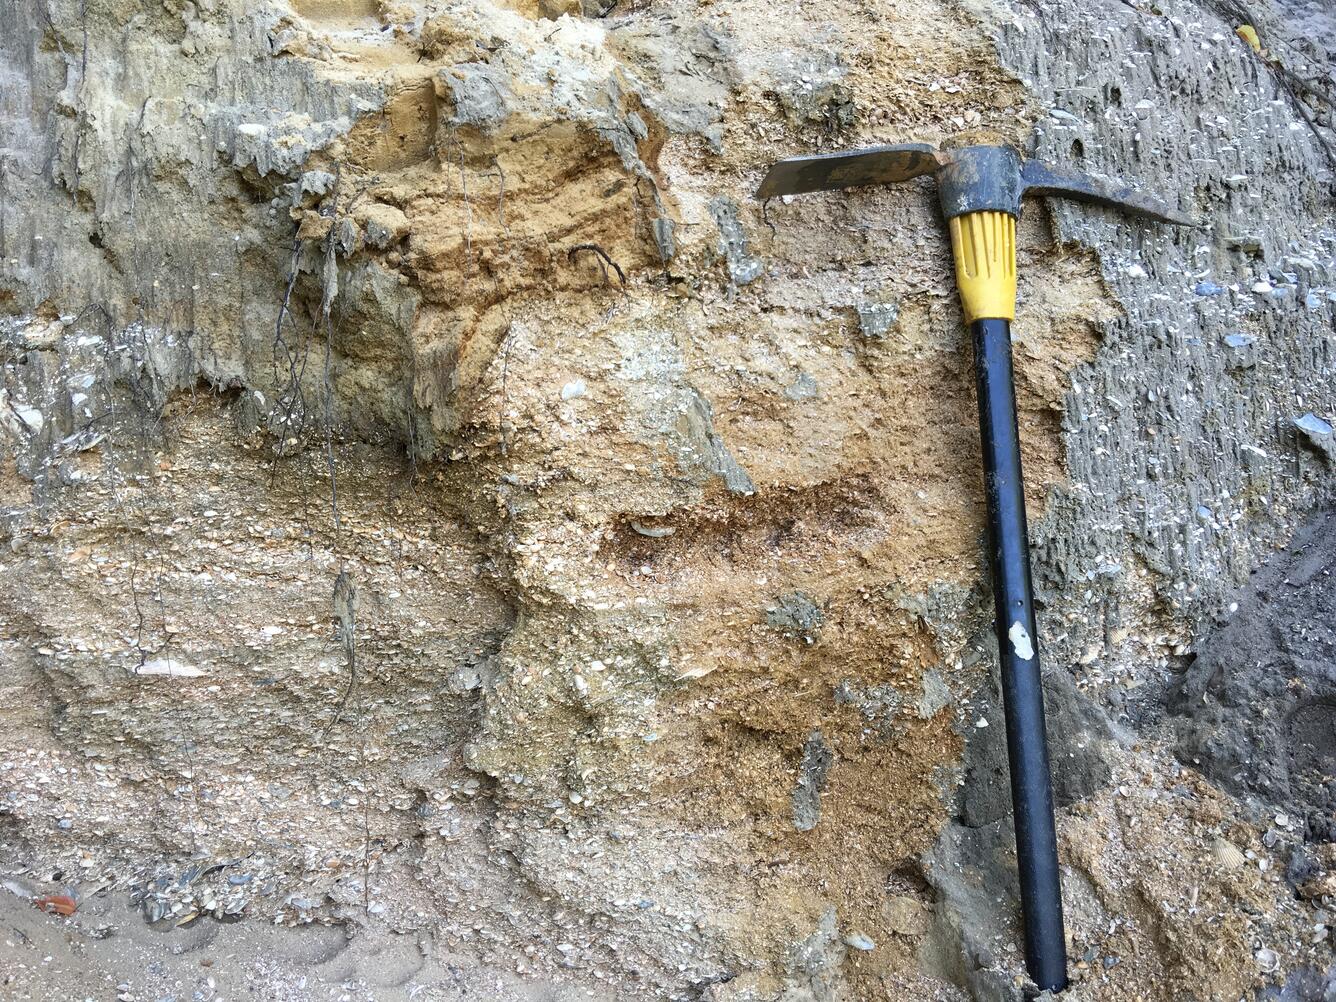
[(1022, 695)]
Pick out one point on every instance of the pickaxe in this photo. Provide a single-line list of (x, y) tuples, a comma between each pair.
[(980, 188)]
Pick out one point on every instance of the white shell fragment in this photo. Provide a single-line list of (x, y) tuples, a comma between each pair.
[(1020, 641), (169, 667), (653, 531), (31, 417), (859, 941), (696, 671)]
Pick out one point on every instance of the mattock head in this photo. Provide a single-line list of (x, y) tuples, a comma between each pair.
[(969, 179)]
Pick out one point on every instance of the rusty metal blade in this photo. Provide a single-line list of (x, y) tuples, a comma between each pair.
[(848, 169), (1040, 180)]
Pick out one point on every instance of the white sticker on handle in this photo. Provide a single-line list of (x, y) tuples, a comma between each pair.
[(1020, 641)]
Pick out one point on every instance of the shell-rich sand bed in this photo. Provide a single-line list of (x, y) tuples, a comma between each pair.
[(457, 544)]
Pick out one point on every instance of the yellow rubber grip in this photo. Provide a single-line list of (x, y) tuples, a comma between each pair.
[(984, 244)]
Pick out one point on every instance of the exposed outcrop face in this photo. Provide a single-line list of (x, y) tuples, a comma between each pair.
[(439, 499)]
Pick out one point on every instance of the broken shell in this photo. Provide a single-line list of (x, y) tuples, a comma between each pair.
[(1227, 854), (653, 531), (169, 667), (696, 671), (860, 941), (1267, 959)]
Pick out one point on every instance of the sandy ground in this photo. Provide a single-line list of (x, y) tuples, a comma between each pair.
[(106, 951)]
